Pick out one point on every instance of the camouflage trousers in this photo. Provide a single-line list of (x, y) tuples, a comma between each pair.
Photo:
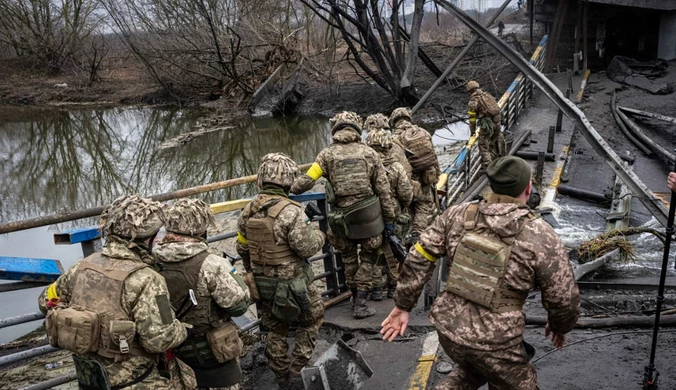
[(233, 387), (358, 269), (506, 369), (391, 268), (491, 141), (277, 348), (422, 209)]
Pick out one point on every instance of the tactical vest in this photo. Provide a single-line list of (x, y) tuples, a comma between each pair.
[(479, 266), (419, 142), (99, 282), (349, 173), (182, 276), (263, 249)]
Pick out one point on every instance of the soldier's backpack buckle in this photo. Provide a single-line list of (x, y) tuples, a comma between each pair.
[(124, 345)]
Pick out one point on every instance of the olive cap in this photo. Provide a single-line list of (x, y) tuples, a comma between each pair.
[(509, 175)]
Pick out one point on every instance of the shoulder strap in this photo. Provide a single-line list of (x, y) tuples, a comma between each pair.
[(279, 206), (471, 216)]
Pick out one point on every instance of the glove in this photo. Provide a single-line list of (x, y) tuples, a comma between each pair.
[(389, 228)]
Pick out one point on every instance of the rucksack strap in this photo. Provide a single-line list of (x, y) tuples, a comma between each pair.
[(471, 216)]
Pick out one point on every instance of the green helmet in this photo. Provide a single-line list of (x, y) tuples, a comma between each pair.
[(379, 140), (345, 119), (277, 168), (132, 217), (398, 114), (189, 216), (376, 122)]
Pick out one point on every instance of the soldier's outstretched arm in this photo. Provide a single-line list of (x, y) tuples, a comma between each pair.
[(301, 235), (59, 291), (306, 181), (147, 298), (242, 246), (554, 276)]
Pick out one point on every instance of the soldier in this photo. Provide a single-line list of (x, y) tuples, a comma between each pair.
[(359, 192), (213, 344), (671, 181), (484, 114), (275, 239), (402, 193), (112, 309), (499, 252), (425, 165)]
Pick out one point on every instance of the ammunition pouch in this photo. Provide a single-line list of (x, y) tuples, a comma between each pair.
[(361, 220), (74, 329), (195, 350), (122, 335), (288, 298), (402, 224), (225, 343)]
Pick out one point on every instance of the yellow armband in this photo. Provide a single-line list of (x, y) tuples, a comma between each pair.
[(315, 171), (241, 239), (51, 292), (424, 253)]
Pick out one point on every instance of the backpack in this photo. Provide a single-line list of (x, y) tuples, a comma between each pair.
[(419, 142), (488, 105)]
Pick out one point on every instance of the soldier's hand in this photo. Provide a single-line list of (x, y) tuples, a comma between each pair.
[(395, 324), (671, 181), (558, 339)]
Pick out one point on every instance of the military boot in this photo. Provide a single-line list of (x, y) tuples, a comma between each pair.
[(295, 380), (360, 308), (390, 292), (353, 298), (377, 294)]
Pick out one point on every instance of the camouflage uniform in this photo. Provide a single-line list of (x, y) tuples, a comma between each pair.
[(424, 191), (486, 345), (351, 188), (402, 192), (126, 223), (216, 285), (291, 228), (491, 141)]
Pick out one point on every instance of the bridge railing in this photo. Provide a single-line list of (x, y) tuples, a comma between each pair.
[(466, 167)]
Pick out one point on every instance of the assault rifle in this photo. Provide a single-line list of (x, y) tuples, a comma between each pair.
[(395, 244)]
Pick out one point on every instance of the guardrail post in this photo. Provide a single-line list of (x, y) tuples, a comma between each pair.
[(334, 262), (89, 238), (550, 140), (539, 168)]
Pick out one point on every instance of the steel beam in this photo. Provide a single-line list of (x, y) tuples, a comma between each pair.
[(573, 113), (30, 269)]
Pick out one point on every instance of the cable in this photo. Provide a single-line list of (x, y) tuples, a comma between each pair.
[(597, 337)]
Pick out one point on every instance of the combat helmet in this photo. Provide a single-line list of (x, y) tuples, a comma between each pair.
[(471, 85), (398, 114), (379, 140), (376, 122), (189, 216), (277, 168), (132, 217), (345, 119)]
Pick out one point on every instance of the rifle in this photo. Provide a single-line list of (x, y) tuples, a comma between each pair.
[(395, 244)]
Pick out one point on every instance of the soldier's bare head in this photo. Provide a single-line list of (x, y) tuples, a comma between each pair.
[(190, 217), (510, 176), (398, 114), (277, 169), (471, 85), (132, 217)]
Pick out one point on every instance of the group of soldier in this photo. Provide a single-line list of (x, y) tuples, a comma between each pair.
[(143, 314)]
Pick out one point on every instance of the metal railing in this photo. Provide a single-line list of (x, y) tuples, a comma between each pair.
[(464, 170), (90, 240)]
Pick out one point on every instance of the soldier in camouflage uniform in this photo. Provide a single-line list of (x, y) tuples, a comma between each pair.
[(499, 252), (357, 185), (275, 239), (130, 299), (402, 193), (424, 181), (186, 263), (484, 113)]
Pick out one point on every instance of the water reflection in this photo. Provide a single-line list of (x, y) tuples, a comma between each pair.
[(57, 160)]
